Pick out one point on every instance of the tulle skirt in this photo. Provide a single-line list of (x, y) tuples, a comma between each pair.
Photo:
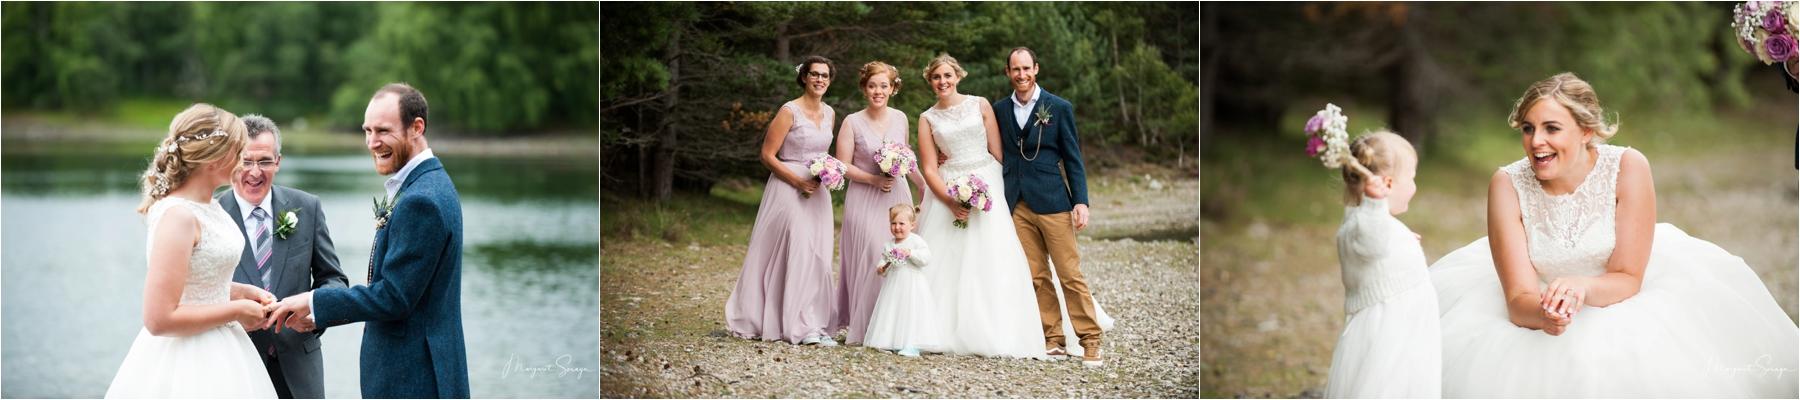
[(1389, 350), (1701, 325), (217, 363), (904, 315)]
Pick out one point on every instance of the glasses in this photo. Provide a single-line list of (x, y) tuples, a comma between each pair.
[(263, 165), (815, 75)]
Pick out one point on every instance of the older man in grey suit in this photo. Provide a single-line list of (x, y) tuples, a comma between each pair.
[(287, 250)]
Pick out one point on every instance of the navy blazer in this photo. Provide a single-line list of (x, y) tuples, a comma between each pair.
[(413, 344), (1046, 186)]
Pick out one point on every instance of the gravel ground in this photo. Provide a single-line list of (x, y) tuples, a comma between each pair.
[(663, 335)]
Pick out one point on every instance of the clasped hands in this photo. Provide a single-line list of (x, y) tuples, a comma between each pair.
[(257, 309), (1561, 301)]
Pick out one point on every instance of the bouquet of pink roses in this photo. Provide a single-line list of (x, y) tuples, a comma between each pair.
[(972, 192), (895, 159), (828, 170), (1767, 30)]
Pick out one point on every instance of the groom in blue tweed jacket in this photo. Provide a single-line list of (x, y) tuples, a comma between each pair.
[(413, 344), (1046, 186)]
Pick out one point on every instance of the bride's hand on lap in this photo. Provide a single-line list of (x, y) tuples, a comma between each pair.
[(1566, 295)]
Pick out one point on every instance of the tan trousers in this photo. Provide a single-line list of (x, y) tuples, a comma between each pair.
[(1055, 234)]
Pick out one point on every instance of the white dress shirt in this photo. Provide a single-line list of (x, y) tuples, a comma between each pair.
[(1021, 112), (244, 210)]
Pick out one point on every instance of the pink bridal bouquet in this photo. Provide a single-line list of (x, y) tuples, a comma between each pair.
[(1767, 29), (829, 170), (972, 192), (895, 159)]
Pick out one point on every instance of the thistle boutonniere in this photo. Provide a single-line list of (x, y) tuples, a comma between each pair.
[(383, 208), (286, 222), (1043, 120), (1043, 116)]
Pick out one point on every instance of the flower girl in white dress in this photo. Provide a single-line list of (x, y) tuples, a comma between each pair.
[(902, 319), (1390, 344)]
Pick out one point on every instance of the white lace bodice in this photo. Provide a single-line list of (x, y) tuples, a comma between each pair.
[(216, 256), (960, 133), (1570, 234)]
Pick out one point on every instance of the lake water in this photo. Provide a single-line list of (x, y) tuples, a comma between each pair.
[(72, 247)]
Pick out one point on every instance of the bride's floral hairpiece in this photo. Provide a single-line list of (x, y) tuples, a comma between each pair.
[(1326, 137), (172, 146)]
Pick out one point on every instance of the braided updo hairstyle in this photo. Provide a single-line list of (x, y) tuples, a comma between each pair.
[(199, 136), (1374, 154)]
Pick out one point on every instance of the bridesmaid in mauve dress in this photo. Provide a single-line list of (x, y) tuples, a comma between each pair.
[(784, 291), (867, 199)]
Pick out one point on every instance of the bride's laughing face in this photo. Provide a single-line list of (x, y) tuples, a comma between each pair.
[(1554, 143), (943, 80)]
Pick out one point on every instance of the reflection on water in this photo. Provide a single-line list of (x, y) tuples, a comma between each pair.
[(73, 250)]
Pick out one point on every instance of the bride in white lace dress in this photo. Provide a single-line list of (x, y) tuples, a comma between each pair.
[(985, 297), (1592, 298), (193, 343)]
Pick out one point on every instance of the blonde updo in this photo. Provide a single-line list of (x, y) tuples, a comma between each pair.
[(1572, 93), (1374, 154), (944, 59), (874, 68), (198, 136)]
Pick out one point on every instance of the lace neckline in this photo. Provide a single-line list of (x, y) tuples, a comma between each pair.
[(824, 112), (965, 100), (1586, 180)]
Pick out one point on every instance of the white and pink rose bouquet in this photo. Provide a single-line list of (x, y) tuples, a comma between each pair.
[(896, 160), (828, 170), (972, 192), (1767, 30)]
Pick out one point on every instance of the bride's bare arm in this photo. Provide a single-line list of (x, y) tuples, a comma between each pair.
[(928, 165), (1506, 239), (993, 131), (1636, 227), (164, 315)]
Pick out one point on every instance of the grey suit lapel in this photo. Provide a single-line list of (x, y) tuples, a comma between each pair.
[(278, 257)]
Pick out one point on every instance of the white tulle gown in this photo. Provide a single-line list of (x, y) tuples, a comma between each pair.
[(986, 303), (219, 362), (1701, 325)]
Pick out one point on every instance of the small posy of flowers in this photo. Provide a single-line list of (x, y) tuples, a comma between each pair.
[(1767, 29), (895, 256), (895, 159), (828, 170), (384, 207), (286, 222), (971, 192), (1326, 137)]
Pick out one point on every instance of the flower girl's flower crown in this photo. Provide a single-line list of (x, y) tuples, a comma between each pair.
[(1326, 138)]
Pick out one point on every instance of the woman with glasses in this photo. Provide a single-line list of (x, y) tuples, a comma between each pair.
[(784, 291)]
